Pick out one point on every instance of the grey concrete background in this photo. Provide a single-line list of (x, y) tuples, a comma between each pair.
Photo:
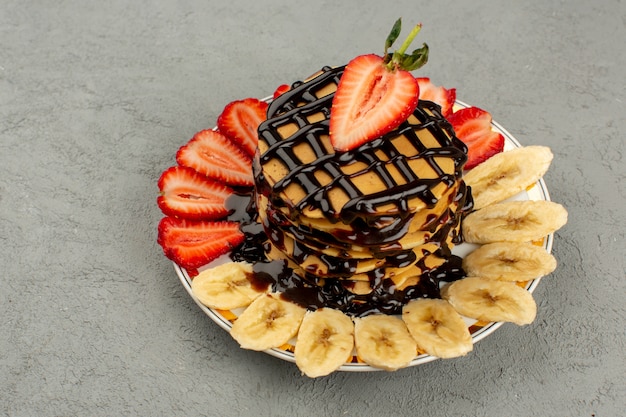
[(95, 99)]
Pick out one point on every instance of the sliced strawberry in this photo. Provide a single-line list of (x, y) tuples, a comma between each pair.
[(280, 90), (214, 155), (473, 126), (192, 244), (187, 194), (240, 120), (440, 95), (370, 101), (375, 94)]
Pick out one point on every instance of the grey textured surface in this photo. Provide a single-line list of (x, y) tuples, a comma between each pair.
[(95, 99)]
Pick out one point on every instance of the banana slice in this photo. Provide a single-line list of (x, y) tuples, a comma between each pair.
[(514, 221), (268, 322), (225, 286), (384, 342), (437, 328), (489, 300), (507, 173), (325, 342), (509, 261)]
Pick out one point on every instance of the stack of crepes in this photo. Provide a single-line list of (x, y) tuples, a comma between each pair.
[(378, 216)]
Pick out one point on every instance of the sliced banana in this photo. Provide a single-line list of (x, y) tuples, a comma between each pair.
[(226, 286), (509, 261), (325, 342), (267, 323), (490, 300), (384, 342), (514, 221), (437, 328), (507, 173)]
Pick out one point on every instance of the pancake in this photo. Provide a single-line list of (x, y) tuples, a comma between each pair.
[(362, 242)]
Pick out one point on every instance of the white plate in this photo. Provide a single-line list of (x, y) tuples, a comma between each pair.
[(478, 330)]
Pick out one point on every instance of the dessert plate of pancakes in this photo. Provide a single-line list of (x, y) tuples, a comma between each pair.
[(478, 330)]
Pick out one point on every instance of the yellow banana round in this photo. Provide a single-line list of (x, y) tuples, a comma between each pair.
[(490, 300), (509, 261), (507, 173), (384, 342), (325, 342), (514, 221), (267, 323), (437, 328), (225, 286)]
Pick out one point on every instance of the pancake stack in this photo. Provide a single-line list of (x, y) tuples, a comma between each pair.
[(378, 216)]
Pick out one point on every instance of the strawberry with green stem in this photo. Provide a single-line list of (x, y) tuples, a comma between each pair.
[(376, 94)]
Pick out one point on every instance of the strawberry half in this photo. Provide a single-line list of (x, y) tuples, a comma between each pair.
[(187, 194), (370, 101), (375, 94), (214, 155), (473, 126), (240, 120), (192, 244), (440, 95)]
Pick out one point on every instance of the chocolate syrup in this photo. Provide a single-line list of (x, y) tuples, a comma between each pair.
[(241, 208), (344, 239), (312, 293), (384, 299)]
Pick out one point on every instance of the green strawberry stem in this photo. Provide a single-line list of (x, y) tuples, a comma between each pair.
[(399, 59), (407, 42)]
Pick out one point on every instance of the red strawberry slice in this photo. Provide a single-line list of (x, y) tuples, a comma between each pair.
[(376, 94), (192, 244), (473, 126), (212, 154), (187, 194), (440, 95), (240, 120), (370, 101), (280, 90)]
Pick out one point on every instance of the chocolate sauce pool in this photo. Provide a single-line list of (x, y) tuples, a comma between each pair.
[(312, 294)]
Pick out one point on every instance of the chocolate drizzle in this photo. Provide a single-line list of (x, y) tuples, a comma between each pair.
[(312, 293)]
